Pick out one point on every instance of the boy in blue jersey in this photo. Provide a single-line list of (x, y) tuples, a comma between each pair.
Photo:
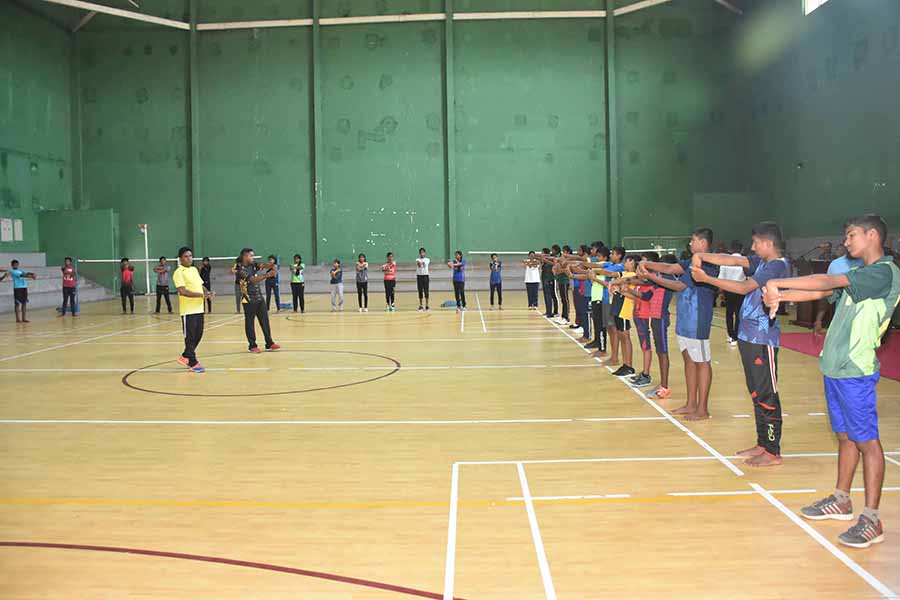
[(693, 321), (20, 288), (758, 334)]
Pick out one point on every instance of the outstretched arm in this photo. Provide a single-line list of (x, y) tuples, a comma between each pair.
[(666, 268), (735, 287), (723, 260), (802, 289)]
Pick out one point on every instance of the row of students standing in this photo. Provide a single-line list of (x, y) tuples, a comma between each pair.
[(866, 297)]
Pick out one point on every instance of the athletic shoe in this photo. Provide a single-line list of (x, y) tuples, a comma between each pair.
[(828, 508), (427, 308), (591, 345), (273, 348), (641, 380), (651, 393), (573, 326), (623, 371), (729, 339), (663, 393), (198, 368), (360, 310), (862, 535), (733, 342), (366, 309), (420, 309), (255, 350), (183, 362)]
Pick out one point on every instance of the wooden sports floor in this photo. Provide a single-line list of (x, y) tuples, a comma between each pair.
[(482, 456)]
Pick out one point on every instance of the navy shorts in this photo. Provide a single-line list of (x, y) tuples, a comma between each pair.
[(20, 296), (658, 328), (852, 406)]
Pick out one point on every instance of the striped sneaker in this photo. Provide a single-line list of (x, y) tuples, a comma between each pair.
[(862, 535), (828, 508)]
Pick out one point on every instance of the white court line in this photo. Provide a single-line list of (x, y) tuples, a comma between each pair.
[(891, 460), (450, 561), (480, 314), (72, 330), (462, 320), (741, 416), (816, 414), (664, 413), (633, 459), (553, 338), (221, 323), (223, 369), (834, 550), (552, 498), (738, 493), (99, 337), (361, 422), (546, 578)]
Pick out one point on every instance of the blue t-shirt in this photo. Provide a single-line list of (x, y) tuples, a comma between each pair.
[(337, 277), (755, 325), (695, 303), (495, 272), (18, 278), (459, 273), (667, 297), (843, 264), (612, 268)]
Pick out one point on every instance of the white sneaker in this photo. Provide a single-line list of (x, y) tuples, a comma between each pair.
[(366, 309), (360, 310), (733, 342), (577, 331)]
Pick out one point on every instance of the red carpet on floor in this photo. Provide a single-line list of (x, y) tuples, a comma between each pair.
[(888, 354)]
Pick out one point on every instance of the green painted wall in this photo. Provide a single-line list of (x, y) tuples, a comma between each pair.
[(134, 98), (681, 109), (530, 133), (254, 135), (35, 121), (382, 174), (826, 88), (94, 233)]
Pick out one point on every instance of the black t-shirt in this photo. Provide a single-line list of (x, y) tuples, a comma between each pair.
[(250, 291)]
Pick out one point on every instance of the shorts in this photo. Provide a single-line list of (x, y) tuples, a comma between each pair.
[(852, 406), (660, 329), (623, 324), (642, 325), (20, 295), (698, 350)]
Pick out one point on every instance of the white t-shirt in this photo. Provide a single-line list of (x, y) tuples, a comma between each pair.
[(732, 273), (422, 265), (532, 274)]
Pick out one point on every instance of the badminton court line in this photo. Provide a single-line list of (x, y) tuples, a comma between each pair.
[(450, 561), (728, 464), (84, 341), (550, 461), (543, 565), (480, 314), (310, 422), (834, 550)]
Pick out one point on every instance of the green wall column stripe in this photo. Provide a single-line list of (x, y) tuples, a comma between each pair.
[(317, 132), (78, 201), (194, 117), (449, 134), (612, 142)]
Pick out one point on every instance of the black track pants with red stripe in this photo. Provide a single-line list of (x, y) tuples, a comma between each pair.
[(761, 371)]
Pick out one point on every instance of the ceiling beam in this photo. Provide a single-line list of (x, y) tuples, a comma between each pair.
[(531, 14), (729, 6), (116, 12), (638, 6), (84, 20)]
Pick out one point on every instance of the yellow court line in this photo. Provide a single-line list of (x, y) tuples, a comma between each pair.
[(354, 505)]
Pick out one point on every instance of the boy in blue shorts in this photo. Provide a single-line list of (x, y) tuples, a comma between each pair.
[(865, 298), (758, 334)]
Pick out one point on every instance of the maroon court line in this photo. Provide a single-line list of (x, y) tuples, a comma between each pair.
[(235, 563)]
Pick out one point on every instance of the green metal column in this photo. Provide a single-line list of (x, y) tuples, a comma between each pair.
[(449, 134), (78, 201), (194, 117), (612, 142), (317, 132)]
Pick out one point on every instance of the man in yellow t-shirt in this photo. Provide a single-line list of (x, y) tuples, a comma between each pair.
[(191, 297)]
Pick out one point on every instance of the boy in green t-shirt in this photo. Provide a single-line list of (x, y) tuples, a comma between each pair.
[(865, 298), (297, 283)]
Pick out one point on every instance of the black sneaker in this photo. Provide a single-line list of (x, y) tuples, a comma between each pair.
[(642, 380), (623, 371), (862, 535), (592, 346)]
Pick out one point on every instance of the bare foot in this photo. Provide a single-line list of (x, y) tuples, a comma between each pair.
[(613, 360), (26, 321), (598, 354), (683, 410), (751, 452), (764, 460), (697, 416)]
